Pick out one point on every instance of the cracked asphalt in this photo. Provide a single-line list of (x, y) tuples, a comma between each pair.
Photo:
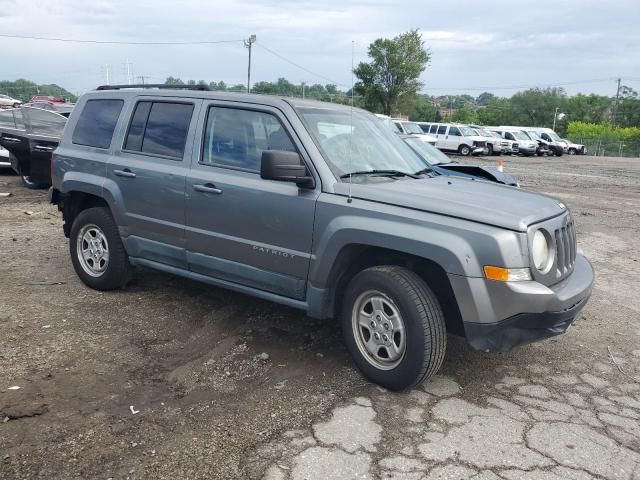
[(228, 386)]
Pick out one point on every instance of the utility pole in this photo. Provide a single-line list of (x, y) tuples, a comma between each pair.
[(247, 43), (555, 116), (302, 89), (615, 107), (127, 66)]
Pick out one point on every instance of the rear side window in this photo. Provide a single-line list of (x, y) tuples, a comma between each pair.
[(159, 128), (433, 129), (442, 129), (97, 122)]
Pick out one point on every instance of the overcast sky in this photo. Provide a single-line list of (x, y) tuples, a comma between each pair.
[(487, 45)]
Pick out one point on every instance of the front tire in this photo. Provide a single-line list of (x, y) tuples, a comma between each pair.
[(572, 151), (393, 326), (97, 252), (489, 149), (464, 150)]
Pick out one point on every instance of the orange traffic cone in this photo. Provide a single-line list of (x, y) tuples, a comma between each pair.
[(501, 165)]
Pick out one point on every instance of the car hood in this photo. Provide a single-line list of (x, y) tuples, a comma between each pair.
[(485, 173), (482, 202)]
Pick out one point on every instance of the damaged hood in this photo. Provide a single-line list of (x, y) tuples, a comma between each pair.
[(483, 202), (476, 171)]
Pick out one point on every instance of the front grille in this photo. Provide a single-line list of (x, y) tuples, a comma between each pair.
[(565, 238), (479, 144)]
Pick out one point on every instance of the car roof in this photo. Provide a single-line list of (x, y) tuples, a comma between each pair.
[(261, 99)]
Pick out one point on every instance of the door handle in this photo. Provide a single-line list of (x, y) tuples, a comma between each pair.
[(207, 188), (124, 173), (42, 148)]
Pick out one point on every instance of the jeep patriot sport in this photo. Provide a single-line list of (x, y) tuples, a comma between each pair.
[(319, 207)]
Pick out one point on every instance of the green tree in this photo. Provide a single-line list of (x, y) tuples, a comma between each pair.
[(23, 90), (393, 72), (424, 110), (536, 107), (588, 108), (464, 115), (173, 81), (485, 98), (496, 112), (628, 114)]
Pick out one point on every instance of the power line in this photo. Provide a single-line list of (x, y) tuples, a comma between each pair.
[(118, 42), (282, 57)]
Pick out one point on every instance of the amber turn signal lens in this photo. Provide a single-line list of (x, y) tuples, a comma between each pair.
[(496, 273)]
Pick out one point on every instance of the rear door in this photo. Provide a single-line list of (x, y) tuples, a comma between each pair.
[(441, 137), (454, 138), (150, 172), (241, 228)]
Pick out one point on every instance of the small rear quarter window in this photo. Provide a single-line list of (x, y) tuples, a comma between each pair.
[(97, 123)]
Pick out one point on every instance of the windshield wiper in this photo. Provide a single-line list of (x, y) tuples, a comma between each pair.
[(382, 173)]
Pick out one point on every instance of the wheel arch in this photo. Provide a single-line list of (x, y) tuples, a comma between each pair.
[(75, 202), (354, 258)]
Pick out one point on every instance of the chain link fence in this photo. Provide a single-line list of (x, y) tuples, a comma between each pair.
[(609, 147)]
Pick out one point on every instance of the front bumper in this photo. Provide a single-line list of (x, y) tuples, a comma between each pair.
[(499, 316)]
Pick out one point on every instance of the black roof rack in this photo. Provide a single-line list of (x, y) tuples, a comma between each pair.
[(155, 85)]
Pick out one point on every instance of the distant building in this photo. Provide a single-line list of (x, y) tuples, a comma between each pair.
[(447, 112)]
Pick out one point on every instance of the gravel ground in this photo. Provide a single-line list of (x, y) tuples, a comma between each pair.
[(226, 386)]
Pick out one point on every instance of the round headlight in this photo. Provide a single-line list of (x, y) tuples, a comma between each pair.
[(540, 250)]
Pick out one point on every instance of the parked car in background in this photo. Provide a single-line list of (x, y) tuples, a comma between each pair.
[(509, 147), (556, 145), (543, 145), (4, 158), (458, 138), (48, 98), (495, 144), (411, 128), (63, 109), (8, 102), (574, 148), (526, 146), (443, 165), (319, 207), (31, 135)]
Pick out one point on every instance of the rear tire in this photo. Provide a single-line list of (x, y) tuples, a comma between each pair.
[(402, 317), (93, 234)]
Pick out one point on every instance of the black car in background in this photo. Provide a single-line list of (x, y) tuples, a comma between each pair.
[(31, 133)]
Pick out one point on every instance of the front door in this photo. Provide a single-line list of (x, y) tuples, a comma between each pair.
[(454, 138), (150, 172), (241, 228)]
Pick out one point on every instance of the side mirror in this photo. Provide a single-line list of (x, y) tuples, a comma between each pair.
[(285, 166)]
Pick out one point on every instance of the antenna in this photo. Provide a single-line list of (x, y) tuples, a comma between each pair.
[(349, 199)]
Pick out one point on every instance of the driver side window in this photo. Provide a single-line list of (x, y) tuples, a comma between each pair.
[(236, 138)]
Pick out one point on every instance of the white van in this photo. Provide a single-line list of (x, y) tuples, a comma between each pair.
[(526, 146), (556, 145), (457, 138), (412, 128)]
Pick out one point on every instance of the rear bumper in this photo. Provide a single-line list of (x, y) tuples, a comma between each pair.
[(498, 316)]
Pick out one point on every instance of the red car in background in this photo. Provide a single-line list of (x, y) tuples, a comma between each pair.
[(47, 98)]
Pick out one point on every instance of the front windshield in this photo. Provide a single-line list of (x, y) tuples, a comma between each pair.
[(520, 135), (467, 132), (358, 141), (554, 136), (533, 135), (483, 132), (412, 128), (427, 151)]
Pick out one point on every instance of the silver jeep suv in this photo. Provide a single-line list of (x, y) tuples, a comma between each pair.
[(319, 207)]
